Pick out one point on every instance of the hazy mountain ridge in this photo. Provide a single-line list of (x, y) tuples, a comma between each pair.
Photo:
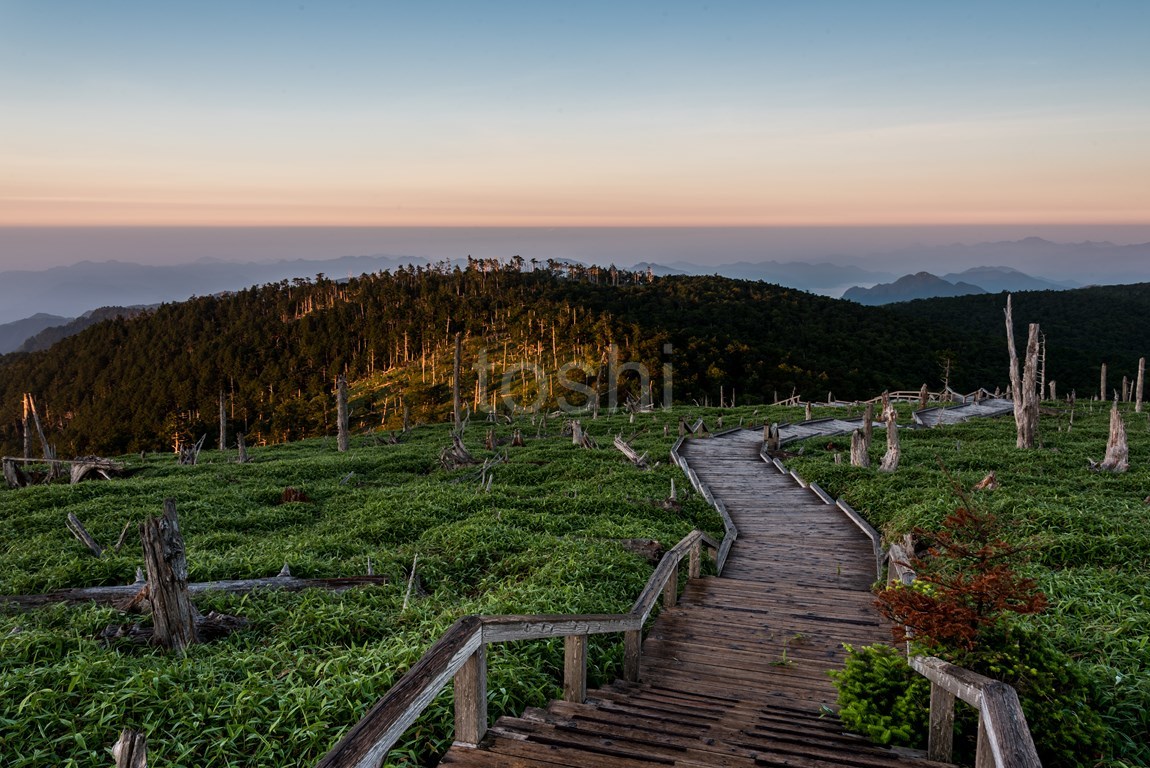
[(16, 333), (977, 280)]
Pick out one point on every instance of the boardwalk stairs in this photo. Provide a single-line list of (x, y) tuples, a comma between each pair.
[(732, 673)]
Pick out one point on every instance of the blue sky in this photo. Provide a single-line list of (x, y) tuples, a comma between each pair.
[(598, 114)]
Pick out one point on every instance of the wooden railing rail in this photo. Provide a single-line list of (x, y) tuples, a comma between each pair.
[(1004, 740), (460, 654)]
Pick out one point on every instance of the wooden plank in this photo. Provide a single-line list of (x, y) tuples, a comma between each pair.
[(471, 699), (575, 668)]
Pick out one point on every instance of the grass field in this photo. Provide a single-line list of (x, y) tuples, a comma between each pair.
[(542, 540)]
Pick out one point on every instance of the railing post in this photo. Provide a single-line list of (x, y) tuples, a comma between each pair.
[(694, 563), (671, 590), (632, 653), (983, 753), (940, 742), (471, 699), (575, 668)]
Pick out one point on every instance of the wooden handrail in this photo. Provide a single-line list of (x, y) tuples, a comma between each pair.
[(1004, 740), (460, 654)]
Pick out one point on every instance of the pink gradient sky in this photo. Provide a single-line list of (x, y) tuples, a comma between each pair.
[(509, 114)]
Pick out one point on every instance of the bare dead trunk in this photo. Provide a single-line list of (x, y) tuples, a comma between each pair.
[(632, 455), (859, 455), (1125, 389), (455, 409), (868, 424), (1102, 385), (173, 614), (242, 458), (342, 439), (223, 423), (27, 429), (807, 412), (1023, 385), (923, 397), (1053, 391), (1117, 454), (893, 449), (131, 750), (1138, 385)]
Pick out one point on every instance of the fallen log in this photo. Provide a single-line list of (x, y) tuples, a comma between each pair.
[(81, 533), (631, 454), (117, 593)]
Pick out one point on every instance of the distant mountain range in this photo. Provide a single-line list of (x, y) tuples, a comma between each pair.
[(924, 285), (31, 301)]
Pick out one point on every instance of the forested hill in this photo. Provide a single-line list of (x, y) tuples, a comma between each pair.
[(1083, 328), (274, 352)]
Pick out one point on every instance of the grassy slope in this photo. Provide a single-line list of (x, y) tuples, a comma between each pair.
[(1091, 535), (311, 664)]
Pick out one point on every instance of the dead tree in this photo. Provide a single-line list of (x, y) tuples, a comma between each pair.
[(242, 458), (223, 423), (893, 450), (923, 397), (1053, 390), (517, 438), (455, 409), (27, 429), (342, 438), (173, 615), (868, 424), (1117, 453), (189, 455), (807, 415), (131, 750), (859, 455), (1102, 385), (771, 437), (1023, 386), (1138, 385)]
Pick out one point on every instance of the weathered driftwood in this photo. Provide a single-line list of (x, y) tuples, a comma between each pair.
[(632, 455), (1024, 384), (893, 450), (78, 530), (342, 438), (174, 616), (859, 455), (130, 750), (1117, 457), (130, 596), (87, 466)]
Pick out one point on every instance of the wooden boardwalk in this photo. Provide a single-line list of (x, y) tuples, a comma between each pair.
[(736, 673)]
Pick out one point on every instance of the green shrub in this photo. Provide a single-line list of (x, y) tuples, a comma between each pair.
[(881, 697)]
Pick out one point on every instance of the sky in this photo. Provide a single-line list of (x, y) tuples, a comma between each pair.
[(591, 114)]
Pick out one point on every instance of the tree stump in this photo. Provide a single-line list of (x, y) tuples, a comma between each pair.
[(173, 614), (131, 750), (859, 456), (893, 450), (1117, 457), (868, 424), (1023, 386)]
